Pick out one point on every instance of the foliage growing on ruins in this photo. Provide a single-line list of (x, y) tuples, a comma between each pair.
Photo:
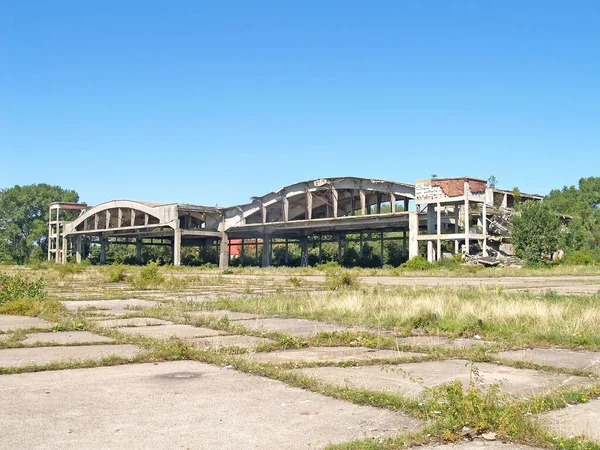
[(535, 232)]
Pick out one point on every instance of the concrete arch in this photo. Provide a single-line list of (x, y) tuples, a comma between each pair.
[(124, 214), (320, 198)]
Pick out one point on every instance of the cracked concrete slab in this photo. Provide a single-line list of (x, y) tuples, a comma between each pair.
[(234, 340), (179, 404), (65, 337), (411, 379), (557, 357), (21, 357), (167, 331), (11, 323), (132, 322), (439, 341), (578, 420), (109, 305), (329, 354), (294, 327), (231, 315)]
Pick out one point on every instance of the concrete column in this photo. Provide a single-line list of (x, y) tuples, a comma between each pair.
[(466, 213), (439, 232), (266, 256), (177, 246), (363, 202), (96, 221), (360, 245), (138, 251), (430, 252), (392, 202), (378, 203), (304, 251), (403, 242), (102, 250), (119, 218), (456, 219), (308, 214), (285, 208), (413, 230), (224, 251), (61, 257), (430, 218), (406, 204), (382, 250), (132, 213), (484, 225), (79, 248), (263, 212), (107, 225), (334, 201)]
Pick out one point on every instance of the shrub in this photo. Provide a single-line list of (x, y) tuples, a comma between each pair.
[(149, 276), (17, 287), (580, 258), (116, 273), (341, 279), (417, 263), (72, 268)]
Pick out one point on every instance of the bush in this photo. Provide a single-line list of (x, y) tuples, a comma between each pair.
[(417, 263), (72, 268), (17, 287), (149, 276), (116, 273), (341, 279), (580, 258), (535, 232)]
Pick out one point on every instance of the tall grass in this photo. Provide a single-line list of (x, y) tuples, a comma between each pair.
[(518, 318)]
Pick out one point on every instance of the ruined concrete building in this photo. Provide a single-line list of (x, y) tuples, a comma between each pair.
[(463, 211)]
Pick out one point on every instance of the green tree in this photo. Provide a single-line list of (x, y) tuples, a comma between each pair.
[(535, 231), (24, 219)]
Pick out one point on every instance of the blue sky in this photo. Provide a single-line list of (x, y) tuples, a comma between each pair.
[(215, 102)]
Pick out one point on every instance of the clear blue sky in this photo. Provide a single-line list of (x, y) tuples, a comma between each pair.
[(214, 102)]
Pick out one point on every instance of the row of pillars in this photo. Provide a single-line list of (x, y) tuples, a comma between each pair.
[(267, 244), (332, 206)]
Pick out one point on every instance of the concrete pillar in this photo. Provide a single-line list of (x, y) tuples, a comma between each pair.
[(456, 219), (484, 225), (334, 201), (430, 252), (224, 251), (406, 204), (403, 242), (107, 224), (413, 230), (378, 203), (138, 251), (177, 246), (363, 202), (266, 256), (382, 250), (360, 244), (308, 213), (392, 202), (102, 250), (466, 221), (61, 256), (430, 218), (439, 232), (119, 217), (304, 251), (78, 249), (263, 212), (285, 208)]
